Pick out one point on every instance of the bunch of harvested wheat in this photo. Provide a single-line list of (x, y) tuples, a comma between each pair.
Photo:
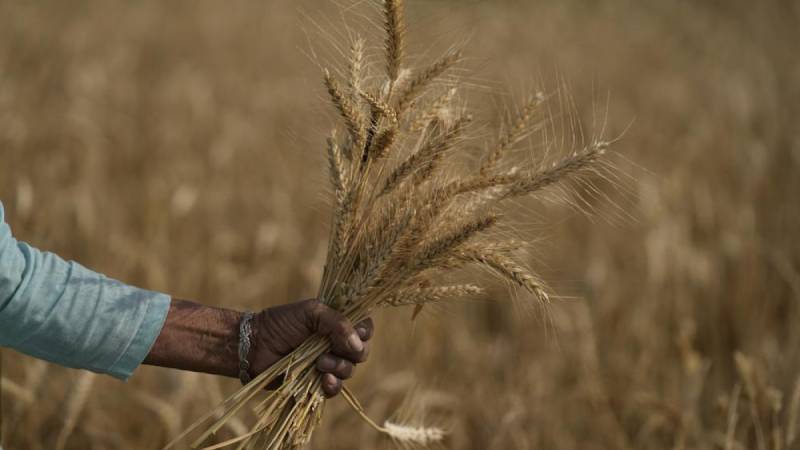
[(402, 218)]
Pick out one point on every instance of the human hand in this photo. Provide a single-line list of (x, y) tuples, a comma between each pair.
[(278, 330)]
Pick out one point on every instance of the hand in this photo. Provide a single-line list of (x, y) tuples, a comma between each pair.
[(280, 329), (205, 339)]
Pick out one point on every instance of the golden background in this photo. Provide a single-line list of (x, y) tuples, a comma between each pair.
[(179, 146)]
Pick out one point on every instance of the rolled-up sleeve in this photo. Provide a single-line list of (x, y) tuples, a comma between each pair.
[(64, 313)]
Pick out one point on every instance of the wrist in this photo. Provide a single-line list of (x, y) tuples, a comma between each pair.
[(198, 338)]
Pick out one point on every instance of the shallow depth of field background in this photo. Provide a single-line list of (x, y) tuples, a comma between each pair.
[(178, 146)]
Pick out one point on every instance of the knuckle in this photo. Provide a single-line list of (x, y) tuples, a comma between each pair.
[(342, 328), (326, 363), (345, 370)]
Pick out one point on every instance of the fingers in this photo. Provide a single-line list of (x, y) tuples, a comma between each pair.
[(349, 344), (346, 342), (334, 371), (340, 367), (365, 329), (331, 385)]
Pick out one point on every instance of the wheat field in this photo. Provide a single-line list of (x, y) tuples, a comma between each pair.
[(179, 146)]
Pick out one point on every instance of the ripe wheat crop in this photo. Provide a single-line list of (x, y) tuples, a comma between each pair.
[(405, 217)]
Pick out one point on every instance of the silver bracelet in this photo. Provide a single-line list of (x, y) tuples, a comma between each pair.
[(245, 334)]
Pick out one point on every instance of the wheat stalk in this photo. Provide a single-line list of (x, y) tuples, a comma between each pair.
[(403, 216)]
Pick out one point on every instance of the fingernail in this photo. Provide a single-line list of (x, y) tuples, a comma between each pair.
[(362, 332), (354, 342), (326, 362)]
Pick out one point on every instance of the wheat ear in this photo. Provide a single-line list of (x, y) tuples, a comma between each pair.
[(579, 161), (515, 133), (336, 169), (508, 269), (424, 295), (347, 109), (404, 435), (424, 78), (447, 242), (424, 155), (356, 66), (395, 38)]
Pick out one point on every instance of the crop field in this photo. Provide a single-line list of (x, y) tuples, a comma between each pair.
[(180, 146)]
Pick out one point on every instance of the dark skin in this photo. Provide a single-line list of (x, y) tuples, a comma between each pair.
[(205, 339)]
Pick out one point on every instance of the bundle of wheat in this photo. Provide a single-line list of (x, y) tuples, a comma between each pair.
[(402, 218)]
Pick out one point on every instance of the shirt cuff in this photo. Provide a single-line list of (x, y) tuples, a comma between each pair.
[(149, 329)]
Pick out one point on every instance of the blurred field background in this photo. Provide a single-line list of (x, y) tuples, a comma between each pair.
[(178, 146)]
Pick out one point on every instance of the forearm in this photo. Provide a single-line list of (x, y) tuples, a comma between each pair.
[(65, 313), (198, 338)]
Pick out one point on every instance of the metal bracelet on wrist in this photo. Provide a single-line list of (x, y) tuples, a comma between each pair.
[(245, 335)]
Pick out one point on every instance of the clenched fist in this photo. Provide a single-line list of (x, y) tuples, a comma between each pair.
[(280, 329)]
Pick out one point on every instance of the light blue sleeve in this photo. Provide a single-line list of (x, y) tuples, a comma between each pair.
[(64, 313)]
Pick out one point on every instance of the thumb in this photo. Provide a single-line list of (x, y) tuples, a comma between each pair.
[(326, 321)]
